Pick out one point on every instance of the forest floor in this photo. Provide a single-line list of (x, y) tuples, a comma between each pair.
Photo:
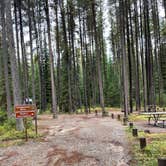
[(72, 140)]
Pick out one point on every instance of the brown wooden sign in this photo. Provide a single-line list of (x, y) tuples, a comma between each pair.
[(23, 111)]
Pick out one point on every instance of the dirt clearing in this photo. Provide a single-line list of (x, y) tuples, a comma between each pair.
[(72, 140)]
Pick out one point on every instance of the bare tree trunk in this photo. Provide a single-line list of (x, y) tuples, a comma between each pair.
[(164, 4), (142, 58), (130, 51), (14, 70), (24, 58), (98, 59), (58, 53), (66, 58), (31, 53), (138, 103), (5, 60), (148, 55), (83, 62), (124, 57), (53, 91), (156, 29), (38, 56), (17, 41)]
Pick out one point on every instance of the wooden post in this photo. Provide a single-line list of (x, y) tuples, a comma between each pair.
[(125, 121), (36, 124), (135, 132), (142, 143), (118, 117), (162, 162), (131, 125), (26, 131), (96, 112), (112, 115), (147, 131)]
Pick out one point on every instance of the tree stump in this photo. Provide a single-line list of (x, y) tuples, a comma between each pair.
[(112, 116), (161, 161), (96, 112), (131, 124), (142, 143), (147, 131), (135, 132), (118, 117), (125, 121)]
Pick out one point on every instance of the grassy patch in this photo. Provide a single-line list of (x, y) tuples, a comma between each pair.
[(10, 136), (156, 148), (99, 109), (137, 117)]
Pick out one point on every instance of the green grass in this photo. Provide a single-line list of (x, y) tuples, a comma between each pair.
[(156, 148), (137, 117), (10, 136), (99, 109)]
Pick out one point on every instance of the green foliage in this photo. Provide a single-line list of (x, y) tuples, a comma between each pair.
[(162, 101), (9, 132), (112, 88), (3, 116), (136, 117), (156, 148)]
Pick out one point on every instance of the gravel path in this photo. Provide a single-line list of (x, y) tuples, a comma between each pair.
[(72, 140)]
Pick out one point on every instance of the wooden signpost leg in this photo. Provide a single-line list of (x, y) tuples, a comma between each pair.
[(36, 124), (26, 132)]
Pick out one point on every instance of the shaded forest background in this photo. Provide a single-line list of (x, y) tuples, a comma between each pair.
[(65, 64)]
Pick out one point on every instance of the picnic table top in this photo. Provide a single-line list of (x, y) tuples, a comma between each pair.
[(154, 113)]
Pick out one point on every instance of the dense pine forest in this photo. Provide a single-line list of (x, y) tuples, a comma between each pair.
[(74, 55), (83, 82)]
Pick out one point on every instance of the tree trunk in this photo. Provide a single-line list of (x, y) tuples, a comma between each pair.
[(129, 58), (124, 58), (53, 89), (17, 41), (142, 58), (31, 53), (138, 103), (58, 53), (24, 58), (148, 55), (164, 3), (5, 60), (98, 59), (14, 70)]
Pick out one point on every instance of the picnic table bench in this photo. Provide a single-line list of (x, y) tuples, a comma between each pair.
[(156, 117)]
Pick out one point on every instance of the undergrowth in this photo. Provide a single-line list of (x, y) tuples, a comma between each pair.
[(156, 148), (9, 135)]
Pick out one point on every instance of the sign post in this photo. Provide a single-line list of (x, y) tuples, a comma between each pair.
[(25, 111), (26, 131), (36, 123)]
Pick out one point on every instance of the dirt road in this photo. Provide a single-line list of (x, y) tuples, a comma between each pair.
[(72, 140)]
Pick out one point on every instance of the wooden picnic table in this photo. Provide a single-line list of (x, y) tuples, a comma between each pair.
[(156, 116)]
